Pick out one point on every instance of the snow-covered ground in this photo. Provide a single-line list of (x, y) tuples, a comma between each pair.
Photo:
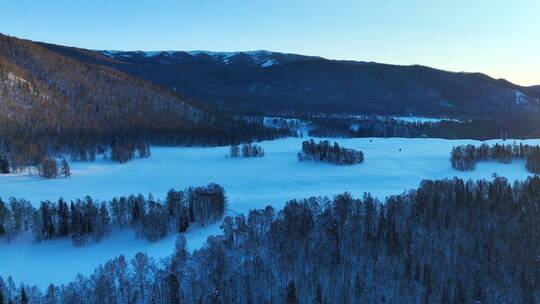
[(410, 119), (249, 183), (415, 119)]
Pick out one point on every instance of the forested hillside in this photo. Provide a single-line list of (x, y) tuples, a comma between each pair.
[(278, 83), (50, 102)]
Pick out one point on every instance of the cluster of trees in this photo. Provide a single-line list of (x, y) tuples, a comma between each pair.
[(331, 153), (124, 153), (89, 220), (411, 248), (247, 150), (297, 125), (464, 158), (280, 122), (49, 168), (533, 160), (81, 220)]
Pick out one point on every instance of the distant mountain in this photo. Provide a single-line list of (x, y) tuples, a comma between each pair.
[(276, 83), (259, 58)]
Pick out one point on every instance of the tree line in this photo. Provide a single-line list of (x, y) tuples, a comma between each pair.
[(85, 220), (464, 158), (323, 151), (48, 167), (449, 241), (376, 126), (19, 150)]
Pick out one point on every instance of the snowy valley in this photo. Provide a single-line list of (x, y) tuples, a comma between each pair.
[(377, 170), (392, 165)]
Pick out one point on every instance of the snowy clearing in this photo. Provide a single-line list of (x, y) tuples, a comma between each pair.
[(410, 119), (414, 119), (249, 183)]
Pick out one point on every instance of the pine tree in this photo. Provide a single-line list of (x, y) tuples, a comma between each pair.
[(144, 150), (50, 295), (174, 286), (48, 168), (63, 218), (234, 151), (4, 217), (318, 295), (77, 229), (181, 253), (47, 225), (24, 297), (121, 153), (4, 164), (291, 293), (358, 286), (102, 226), (183, 220), (65, 169), (155, 297)]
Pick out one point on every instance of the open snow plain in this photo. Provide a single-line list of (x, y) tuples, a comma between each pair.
[(249, 183)]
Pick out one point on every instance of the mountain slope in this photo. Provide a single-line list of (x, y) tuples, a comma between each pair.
[(535, 90), (270, 82), (79, 95), (51, 103)]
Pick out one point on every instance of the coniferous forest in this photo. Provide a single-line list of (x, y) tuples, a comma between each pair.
[(330, 153), (464, 158), (449, 241), (87, 220)]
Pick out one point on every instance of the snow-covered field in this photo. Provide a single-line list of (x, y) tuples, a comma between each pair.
[(416, 119), (410, 119), (249, 183)]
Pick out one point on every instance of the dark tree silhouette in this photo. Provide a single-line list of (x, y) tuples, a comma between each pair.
[(48, 168), (325, 152), (65, 169), (464, 158)]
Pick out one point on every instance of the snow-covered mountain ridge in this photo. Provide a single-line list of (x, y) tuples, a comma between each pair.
[(262, 58)]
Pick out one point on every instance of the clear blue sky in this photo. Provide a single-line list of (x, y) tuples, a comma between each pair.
[(497, 37)]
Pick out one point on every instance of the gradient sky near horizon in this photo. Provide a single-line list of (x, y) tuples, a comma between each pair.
[(496, 37)]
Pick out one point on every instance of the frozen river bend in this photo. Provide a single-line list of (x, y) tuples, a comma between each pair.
[(391, 166)]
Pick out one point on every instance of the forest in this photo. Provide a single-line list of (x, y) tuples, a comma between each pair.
[(87, 220), (464, 158), (376, 126), (330, 153), (412, 248), (21, 151)]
